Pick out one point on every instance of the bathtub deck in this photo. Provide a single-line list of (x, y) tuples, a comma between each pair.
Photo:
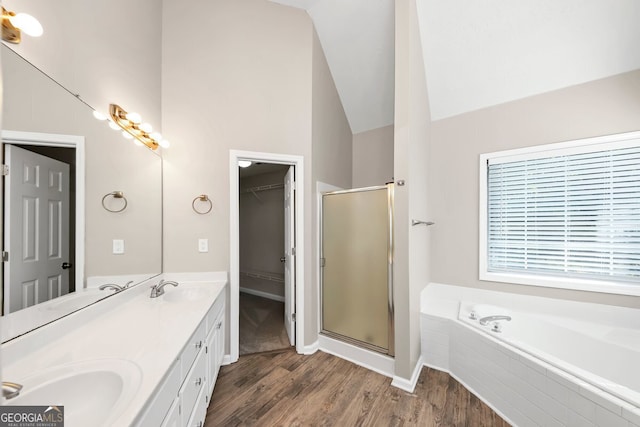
[(284, 388)]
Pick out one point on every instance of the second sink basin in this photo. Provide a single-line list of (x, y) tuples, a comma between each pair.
[(183, 293), (93, 393)]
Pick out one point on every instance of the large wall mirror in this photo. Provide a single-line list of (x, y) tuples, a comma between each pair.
[(82, 206)]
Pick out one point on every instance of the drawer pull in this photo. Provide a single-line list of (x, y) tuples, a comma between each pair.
[(199, 382), (198, 344), (219, 325)]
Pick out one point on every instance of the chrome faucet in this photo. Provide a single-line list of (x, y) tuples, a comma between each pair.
[(485, 320), (10, 390), (113, 286), (158, 289)]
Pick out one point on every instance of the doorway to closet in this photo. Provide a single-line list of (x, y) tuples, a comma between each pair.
[(295, 255), (266, 241)]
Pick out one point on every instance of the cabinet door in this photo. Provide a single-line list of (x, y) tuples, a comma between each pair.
[(200, 411), (219, 344), (173, 416)]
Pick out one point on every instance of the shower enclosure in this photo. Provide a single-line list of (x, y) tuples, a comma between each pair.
[(357, 267)]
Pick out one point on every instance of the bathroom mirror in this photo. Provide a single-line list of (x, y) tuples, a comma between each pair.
[(114, 191)]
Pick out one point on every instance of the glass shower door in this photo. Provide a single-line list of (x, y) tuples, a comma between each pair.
[(357, 263)]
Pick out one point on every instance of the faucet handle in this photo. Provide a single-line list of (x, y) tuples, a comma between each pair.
[(10, 390)]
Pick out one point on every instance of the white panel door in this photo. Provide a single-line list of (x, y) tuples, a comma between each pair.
[(36, 228), (289, 255)]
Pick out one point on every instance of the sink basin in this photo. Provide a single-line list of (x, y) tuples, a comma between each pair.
[(184, 293), (93, 393)]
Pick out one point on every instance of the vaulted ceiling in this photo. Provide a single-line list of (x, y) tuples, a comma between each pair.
[(476, 54)]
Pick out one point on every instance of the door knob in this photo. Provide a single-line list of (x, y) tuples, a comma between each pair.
[(283, 259), (66, 266)]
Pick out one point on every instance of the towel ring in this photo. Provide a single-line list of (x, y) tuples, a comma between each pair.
[(202, 198), (115, 195)]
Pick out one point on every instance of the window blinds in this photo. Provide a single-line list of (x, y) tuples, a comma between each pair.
[(574, 215)]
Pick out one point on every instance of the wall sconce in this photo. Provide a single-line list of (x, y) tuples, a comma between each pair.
[(133, 128), (13, 24)]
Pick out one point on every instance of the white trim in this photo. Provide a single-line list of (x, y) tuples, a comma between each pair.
[(234, 242), (310, 349), (565, 148), (65, 141), (409, 385), (622, 140), (380, 363), (226, 360), (262, 294)]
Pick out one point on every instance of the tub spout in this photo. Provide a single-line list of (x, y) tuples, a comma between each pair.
[(485, 320)]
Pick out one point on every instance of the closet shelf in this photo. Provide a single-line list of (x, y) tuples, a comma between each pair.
[(262, 188), (272, 277)]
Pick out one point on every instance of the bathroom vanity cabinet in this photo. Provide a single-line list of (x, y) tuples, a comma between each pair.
[(182, 398)]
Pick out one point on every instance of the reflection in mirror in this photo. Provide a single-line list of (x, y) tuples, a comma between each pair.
[(81, 205)]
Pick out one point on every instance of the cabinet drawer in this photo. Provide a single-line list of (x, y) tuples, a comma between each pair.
[(195, 344), (193, 384)]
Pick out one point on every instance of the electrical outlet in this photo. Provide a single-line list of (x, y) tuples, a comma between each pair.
[(203, 245), (118, 246)]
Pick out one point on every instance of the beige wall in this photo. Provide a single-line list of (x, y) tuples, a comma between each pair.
[(602, 107), (253, 78), (332, 161), (373, 157), (107, 52), (411, 156)]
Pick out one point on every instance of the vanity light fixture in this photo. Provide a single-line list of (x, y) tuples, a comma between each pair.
[(14, 24), (133, 127), (244, 163)]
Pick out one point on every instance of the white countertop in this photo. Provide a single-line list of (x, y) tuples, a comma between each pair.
[(150, 332)]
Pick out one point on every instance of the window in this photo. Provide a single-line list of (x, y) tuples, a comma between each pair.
[(563, 215)]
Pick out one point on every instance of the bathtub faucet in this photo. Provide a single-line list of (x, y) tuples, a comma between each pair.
[(485, 320)]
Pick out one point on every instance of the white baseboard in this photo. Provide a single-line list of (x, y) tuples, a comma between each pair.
[(262, 294), (371, 360), (226, 360), (409, 385), (308, 349)]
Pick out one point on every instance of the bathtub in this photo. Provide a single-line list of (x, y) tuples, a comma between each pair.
[(552, 364), (604, 356)]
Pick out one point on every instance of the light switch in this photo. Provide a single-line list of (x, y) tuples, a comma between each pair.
[(203, 245), (118, 246)]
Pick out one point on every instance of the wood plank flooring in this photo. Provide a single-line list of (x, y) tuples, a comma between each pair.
[(282, 388)]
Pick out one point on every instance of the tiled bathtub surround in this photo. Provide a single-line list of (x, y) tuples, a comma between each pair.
[(525, 390)]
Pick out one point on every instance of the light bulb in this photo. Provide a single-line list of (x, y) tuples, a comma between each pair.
[(137, 141), (134, 118), (27, 23), (145, 127), (127, 135), (156, 135), (244, 163), (113, 125), (164, 143), (99, 116)]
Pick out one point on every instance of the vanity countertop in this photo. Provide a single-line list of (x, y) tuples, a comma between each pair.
[(150, 332)]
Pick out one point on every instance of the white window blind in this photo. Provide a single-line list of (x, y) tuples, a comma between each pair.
[(575, 215)]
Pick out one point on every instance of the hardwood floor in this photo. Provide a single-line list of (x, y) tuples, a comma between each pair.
[(282, 388), (261, 325)]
